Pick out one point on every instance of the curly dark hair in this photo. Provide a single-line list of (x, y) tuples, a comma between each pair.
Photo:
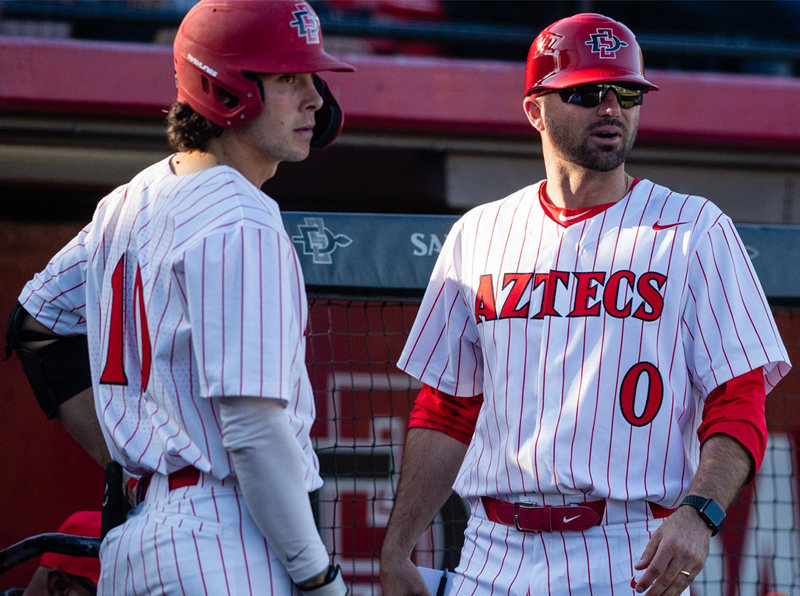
[(187, 130)]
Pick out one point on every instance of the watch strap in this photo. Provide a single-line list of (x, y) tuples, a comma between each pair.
[(706, 508)]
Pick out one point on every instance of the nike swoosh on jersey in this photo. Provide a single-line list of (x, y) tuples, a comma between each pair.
[(659, 226), (290, 558), (566, 519)]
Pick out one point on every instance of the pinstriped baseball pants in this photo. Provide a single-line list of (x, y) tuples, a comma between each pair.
[(190, 541), (499, 560)]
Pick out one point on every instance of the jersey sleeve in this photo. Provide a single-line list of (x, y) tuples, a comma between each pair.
[(246, 303), (442, 349), (728, 328), (56, 296)]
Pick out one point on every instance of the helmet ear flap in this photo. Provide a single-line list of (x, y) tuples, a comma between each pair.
[(329, 119)]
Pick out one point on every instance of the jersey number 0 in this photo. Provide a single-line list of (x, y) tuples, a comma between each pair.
[(653, 395)]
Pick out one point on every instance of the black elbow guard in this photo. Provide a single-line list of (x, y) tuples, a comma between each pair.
[(57, 371)]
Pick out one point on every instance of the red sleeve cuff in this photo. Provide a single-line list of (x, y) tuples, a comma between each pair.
[(454, 416), (736, 409)]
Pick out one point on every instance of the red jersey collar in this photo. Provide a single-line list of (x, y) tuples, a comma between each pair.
[(566, 217)]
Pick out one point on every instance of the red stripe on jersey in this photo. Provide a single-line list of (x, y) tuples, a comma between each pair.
[(698, 325), (580, 387), (743, 255), (241, 315), (733, 317), (203, 312), (424, 325), (633, 252), (753, 280), (613, 267), (675, 333), (261, 310), (458, 356), (525, 358), (512, 300), (67, 291), (599, 369), (493, 402), (433, 351), (280, 320), (221, 315)]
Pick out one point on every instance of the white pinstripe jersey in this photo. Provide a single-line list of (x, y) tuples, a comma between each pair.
[(188, 288), (594, 345)]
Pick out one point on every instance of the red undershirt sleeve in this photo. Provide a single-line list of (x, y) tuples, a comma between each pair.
[(454, 416), (736, 409)]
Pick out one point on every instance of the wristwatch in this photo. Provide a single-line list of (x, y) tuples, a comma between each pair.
[(708, 509)]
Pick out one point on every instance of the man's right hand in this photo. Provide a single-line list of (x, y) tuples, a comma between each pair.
[(400, 577), (430, 463)]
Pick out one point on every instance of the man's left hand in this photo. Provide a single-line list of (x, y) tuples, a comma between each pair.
[(676, 553)]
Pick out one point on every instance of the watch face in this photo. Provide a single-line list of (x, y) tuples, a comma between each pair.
[(708, 509), (714, 513)]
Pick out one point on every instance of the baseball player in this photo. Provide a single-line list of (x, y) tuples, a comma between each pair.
[(594, 350), (192, 298)]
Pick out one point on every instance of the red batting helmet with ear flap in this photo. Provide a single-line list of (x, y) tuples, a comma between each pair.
[(221, 43), (584, 48)]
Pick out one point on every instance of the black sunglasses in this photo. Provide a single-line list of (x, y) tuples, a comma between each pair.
[(590, 96)]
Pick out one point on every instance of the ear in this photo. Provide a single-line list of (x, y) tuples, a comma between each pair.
[(58, 584), (533, 110)]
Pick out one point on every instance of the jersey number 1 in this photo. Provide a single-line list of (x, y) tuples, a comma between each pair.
[(114, 370)]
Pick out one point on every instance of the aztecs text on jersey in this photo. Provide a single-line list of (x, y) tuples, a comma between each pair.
[(594, 344)]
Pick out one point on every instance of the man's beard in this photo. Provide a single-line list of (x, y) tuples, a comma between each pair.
[(578, 150)]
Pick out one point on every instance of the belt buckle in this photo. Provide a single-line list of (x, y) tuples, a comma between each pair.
[(528, 505)]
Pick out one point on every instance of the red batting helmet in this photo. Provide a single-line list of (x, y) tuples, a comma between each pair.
[(221, 42), (584, 48)]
